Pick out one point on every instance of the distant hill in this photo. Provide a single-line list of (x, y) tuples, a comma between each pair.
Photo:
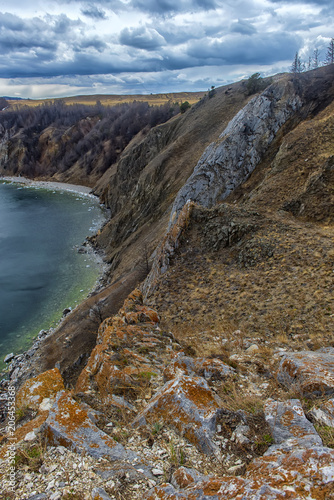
[(111, 100), (13, 98)]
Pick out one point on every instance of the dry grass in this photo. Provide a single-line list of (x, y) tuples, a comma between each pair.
[(235, 399), (30, 456)]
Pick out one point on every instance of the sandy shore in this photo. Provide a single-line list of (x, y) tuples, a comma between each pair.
[(54, 186)]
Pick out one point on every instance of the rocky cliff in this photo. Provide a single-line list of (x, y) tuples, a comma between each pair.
[(215, 379)]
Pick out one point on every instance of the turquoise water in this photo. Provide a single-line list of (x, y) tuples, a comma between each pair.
[(41, 271)]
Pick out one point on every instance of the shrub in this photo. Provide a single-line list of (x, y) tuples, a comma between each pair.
[(184, 106)]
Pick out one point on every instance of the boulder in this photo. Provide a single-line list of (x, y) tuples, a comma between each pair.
[(189, 406), (99, 494), (311, 371), (204, 367), (9, 357), (69, 425), (289, 424), (278, 475)]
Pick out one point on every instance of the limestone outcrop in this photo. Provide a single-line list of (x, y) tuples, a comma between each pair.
[(227, 163)]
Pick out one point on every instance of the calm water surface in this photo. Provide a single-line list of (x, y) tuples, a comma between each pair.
[(41, 271)]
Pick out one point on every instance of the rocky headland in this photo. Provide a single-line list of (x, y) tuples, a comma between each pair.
[(204, 368)]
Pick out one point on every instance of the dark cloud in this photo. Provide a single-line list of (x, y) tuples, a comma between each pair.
[(175, 35), (11, 22), (243, 27), (16, 33), (264, 48), (181, 43), (314, 2), (94, 12), (91, 43), (163, 7), (141, 38)]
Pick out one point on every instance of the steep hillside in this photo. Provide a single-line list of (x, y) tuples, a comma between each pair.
[(215, 378)]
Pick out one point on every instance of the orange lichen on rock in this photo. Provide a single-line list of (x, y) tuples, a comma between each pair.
[(281, 474), (34, 390), (312, 372), (69, 425), (189, 406)]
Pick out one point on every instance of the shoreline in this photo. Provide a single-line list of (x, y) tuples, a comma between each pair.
[(17, 360), (51, 185)]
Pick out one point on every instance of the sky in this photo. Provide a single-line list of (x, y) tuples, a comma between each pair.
[(71, 47)]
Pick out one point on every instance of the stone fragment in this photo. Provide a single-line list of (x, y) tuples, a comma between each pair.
[(99, 494), (189, 406), (184, 477), (134, 472), (289, 424), (9, 357), (252, 349), (239, 435), (36, 389), (39, 496), (311, 371), (30, 436), (69, 425), (324, 414), (157, 472)]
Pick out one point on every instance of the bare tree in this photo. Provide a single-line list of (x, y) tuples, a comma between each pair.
[(330, 53), (315, 59)]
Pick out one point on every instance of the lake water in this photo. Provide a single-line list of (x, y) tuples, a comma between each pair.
[(41, 271)]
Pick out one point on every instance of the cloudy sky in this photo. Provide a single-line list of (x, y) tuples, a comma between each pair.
[(69, 47)]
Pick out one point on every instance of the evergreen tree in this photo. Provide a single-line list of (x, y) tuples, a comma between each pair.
[(330, 53), (297, 65), (256, 83)]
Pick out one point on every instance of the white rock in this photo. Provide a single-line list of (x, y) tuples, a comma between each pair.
[(30, 436), (157, 472), (252, 349), (45, 405)]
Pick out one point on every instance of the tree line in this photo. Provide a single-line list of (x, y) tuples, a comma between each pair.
[(298, 66), (54, 137)]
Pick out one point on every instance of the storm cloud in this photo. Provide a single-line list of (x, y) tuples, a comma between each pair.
[(139, 46)]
